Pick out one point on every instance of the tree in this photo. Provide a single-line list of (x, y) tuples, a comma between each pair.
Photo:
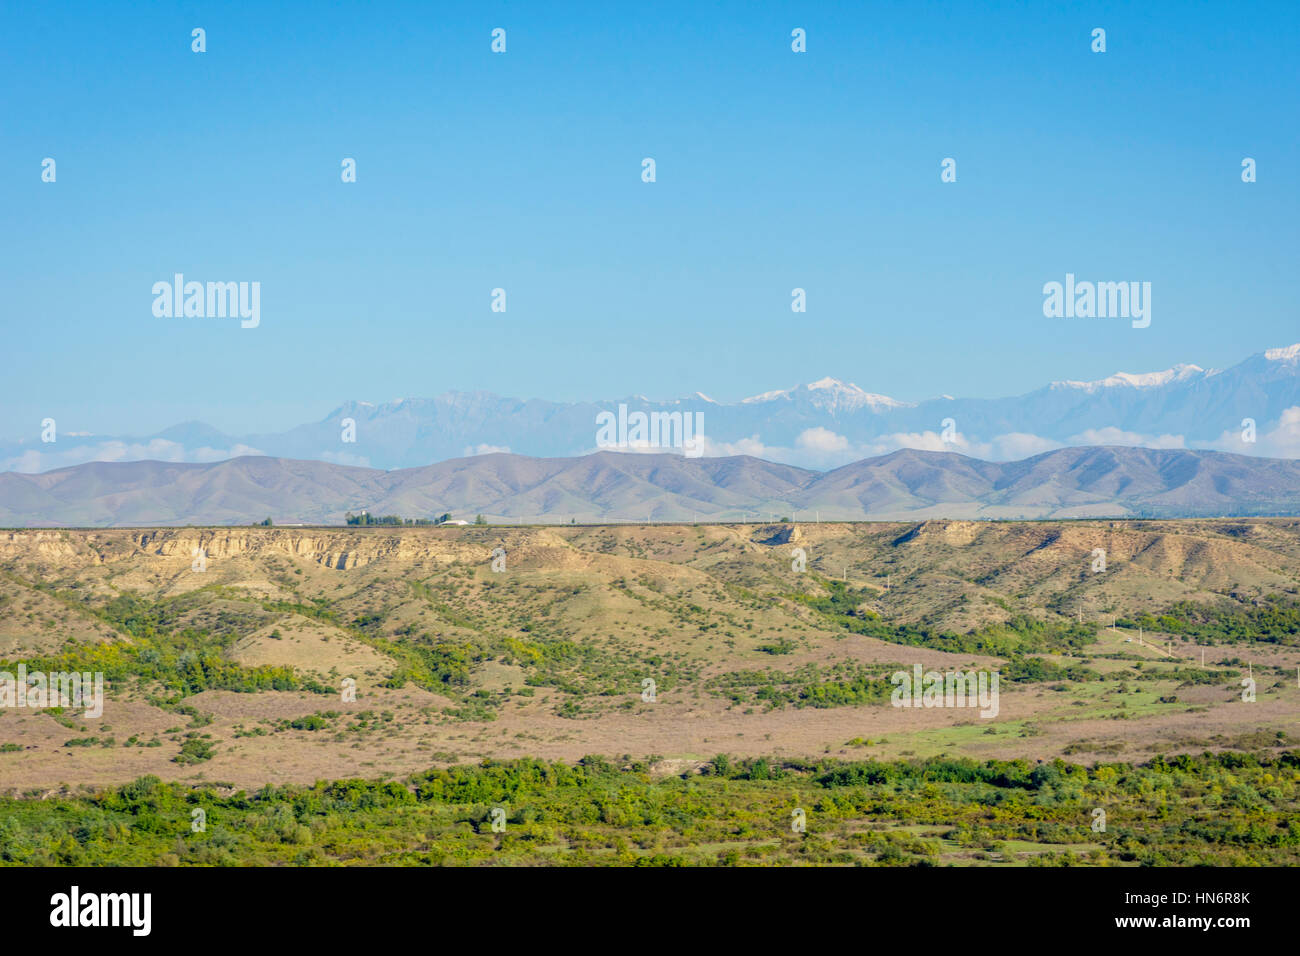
[(480, 520)]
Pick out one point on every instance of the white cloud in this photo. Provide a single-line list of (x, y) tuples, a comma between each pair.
[(822, 448), (219, 454), (1283, 441), (1117, 436), (28, 463), (821, 439), (1014, 446), (345, 458), (473, 450), (922, 441), (52, 456), (743, 446)]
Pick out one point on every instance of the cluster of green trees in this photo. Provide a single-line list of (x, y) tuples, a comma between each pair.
[(1213, 809), (366, 518), (1275, 622), (1022, 634), (839, 685), (180, 672), (184, 660)]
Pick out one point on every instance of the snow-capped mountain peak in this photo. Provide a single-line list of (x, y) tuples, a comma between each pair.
[(1179, 373), (828, 384), (829, 394)]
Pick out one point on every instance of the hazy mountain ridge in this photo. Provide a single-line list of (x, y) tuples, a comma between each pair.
[(822, 425), (1071, 482)]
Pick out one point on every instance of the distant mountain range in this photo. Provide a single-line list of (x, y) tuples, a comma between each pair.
[(821, 425), (1070, 482)]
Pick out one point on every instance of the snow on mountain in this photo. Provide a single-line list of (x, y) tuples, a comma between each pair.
[(1179, 373), (830, 394)]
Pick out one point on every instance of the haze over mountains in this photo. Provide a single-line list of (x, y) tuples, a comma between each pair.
[(820, 425), (1072, 482)]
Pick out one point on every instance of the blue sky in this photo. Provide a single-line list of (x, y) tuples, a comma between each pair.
[(775, 170)]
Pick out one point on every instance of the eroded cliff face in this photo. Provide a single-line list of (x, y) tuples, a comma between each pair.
[(1163, 557), (341, 550), (47, 546)]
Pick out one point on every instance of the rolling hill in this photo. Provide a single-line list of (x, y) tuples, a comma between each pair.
[(610, 486)]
